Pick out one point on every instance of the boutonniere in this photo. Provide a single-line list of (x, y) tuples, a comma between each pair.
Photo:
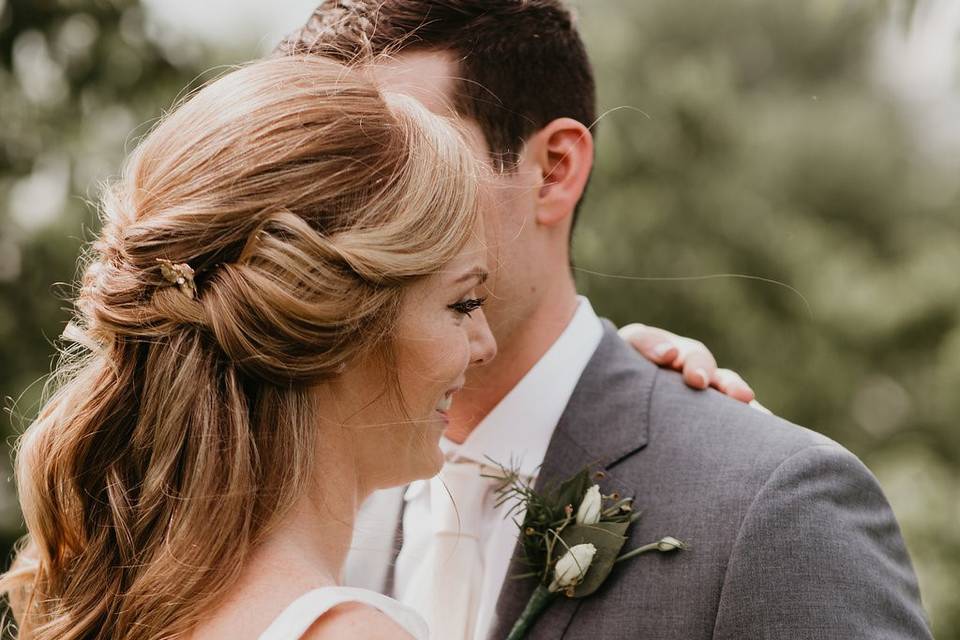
[(571, 538)]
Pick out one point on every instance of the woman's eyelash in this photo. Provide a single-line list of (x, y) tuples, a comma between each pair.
[(467, 306)]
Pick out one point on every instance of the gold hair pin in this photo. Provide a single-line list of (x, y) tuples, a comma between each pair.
[(180, 275)]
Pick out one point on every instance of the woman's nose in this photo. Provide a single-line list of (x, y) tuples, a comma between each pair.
[(483, 346)]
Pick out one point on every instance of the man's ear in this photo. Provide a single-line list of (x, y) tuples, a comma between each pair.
[(563, 152)]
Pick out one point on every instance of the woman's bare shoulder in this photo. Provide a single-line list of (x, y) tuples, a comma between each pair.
[(355, 620)]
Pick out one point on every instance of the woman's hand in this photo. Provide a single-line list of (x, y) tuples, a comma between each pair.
[(688, 356)]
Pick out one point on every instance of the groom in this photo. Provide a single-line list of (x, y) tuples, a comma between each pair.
[(790, 535)]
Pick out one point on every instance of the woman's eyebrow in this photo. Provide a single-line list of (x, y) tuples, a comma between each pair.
[(480, 274)]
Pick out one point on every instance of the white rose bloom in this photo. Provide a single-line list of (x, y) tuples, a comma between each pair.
[(589, 511), (572, 567)]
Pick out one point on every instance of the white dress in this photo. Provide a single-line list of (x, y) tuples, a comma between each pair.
[(304, 611)]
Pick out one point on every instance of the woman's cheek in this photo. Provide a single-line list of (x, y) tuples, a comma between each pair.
[(449, 357), (452, 356), (436, 360), (462, 359)]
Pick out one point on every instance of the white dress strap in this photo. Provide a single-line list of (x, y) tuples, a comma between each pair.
[(294, 621)]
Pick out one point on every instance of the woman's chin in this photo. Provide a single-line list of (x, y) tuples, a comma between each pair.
[(438, 462), (432, 462), (437, 454)]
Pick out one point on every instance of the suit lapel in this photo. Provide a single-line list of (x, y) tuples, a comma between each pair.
[(605, 421)]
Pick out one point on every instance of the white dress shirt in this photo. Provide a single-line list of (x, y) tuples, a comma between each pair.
[(516, 433)]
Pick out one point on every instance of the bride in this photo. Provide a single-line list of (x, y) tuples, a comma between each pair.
[(280, 306), (273, 322)]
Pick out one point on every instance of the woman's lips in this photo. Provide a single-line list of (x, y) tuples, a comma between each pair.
[(444, 404)]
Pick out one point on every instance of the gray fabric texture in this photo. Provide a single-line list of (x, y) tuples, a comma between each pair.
[(790, 534)]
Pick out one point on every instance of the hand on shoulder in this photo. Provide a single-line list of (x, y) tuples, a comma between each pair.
[(689, 357), (355, 620)]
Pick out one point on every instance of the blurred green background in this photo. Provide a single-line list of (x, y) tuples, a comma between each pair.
[(815, 144)]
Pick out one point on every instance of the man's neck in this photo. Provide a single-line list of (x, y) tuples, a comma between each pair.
[(487, 386)]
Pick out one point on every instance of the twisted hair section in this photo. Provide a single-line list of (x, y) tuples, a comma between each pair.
[(304, 201)]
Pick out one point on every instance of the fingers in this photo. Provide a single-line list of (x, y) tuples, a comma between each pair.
[(730, 383), (656, 345), (690, 357), (666, 349), (699, 367)]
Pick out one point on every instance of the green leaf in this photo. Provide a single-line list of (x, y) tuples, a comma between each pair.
[(571, 491), (608, 538)]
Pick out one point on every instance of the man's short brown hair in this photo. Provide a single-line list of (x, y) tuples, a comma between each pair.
[(522, 62)]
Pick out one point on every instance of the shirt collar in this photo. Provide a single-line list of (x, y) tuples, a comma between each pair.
[(518, 430)]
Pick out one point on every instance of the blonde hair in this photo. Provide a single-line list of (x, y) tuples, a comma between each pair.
[(305, 200)]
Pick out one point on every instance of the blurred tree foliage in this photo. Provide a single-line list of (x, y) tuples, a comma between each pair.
[(755, 140), (744, 137)]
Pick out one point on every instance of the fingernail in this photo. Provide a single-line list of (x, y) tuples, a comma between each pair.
[(704, 380), (662, 349)]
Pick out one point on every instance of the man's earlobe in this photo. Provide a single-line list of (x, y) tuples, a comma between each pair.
[(565, 157)]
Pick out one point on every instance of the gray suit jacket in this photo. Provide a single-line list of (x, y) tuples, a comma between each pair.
[(790, 535)]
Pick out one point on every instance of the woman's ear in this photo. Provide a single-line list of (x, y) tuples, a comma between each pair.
[(564, 153)]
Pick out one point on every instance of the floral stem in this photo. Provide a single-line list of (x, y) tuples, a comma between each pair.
[(667, 544), (635, 552), (538, 602)]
